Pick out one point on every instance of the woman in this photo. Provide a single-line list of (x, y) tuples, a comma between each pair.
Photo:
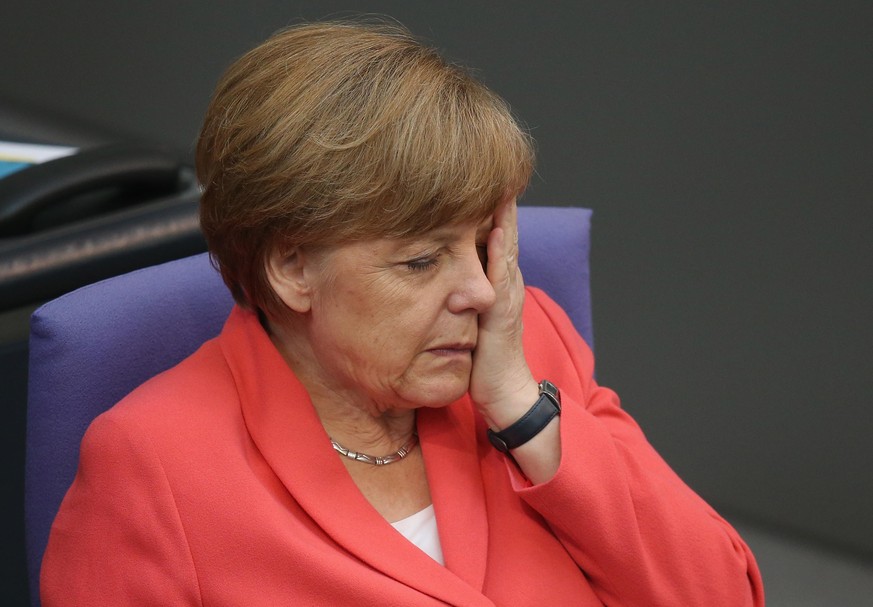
[(372, 426)]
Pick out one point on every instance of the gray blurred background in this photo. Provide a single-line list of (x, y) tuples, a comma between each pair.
[(726, 149)]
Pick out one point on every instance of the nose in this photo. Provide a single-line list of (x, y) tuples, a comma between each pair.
[(473, 290)]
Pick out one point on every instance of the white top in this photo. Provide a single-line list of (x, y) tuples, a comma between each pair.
[(421, 529)]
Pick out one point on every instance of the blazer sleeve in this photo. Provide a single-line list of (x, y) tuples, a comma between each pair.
[(639, 533), (118, 538)]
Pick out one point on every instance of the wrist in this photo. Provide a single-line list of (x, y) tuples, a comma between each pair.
[(510, 407)]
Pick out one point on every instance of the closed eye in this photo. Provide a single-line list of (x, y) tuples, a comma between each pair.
[(422, 264)]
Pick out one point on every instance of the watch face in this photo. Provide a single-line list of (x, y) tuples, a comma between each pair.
[(547, 387)]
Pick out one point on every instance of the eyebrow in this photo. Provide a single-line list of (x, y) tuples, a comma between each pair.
[(443, 236)]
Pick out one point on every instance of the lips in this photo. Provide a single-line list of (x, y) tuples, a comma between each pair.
[(452, 349)]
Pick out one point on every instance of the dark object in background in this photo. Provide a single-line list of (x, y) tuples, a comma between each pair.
[(106, 210)]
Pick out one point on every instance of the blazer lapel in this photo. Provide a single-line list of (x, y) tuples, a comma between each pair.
[(456, 487), (286, 430)]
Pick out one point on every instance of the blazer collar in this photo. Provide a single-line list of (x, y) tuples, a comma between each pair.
[(283, 424)]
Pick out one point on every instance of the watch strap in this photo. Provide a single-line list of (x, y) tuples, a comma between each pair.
[(547, 406)]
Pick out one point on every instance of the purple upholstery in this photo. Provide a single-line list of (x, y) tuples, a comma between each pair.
[(92, 346), (553, 247)]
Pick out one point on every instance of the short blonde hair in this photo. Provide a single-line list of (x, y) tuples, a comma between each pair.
[(333, 132)]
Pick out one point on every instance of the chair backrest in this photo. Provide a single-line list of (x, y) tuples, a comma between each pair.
[(91, 347)]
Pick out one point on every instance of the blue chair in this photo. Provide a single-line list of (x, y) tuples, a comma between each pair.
[(89, 348)]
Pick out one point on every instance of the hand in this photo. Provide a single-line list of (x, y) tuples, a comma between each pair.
[(501, 383)]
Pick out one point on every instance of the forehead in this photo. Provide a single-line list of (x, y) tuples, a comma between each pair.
[(445, 235), (451, 232), (460, 228)]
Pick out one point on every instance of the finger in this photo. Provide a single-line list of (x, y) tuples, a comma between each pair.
[(505, 215), (505, 218), (511, 228), (505, 277), (497, 268)]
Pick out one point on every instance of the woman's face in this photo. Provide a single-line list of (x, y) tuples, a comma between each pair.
[(393, 323)]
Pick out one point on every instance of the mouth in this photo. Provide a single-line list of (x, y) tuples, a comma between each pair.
[(459, 349)]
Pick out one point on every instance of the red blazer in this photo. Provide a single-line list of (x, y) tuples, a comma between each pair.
[(215, 484)]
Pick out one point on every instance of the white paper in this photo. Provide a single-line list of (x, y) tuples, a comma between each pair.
[(17, 156), (31, 153)]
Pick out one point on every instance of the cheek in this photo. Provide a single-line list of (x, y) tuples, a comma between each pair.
[(375, 324), (386, 312), (368, 335)]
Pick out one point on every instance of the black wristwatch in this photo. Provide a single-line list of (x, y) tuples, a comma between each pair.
[(548, 405)]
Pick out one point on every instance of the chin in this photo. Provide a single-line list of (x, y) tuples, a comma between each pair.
[(436, 396)]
